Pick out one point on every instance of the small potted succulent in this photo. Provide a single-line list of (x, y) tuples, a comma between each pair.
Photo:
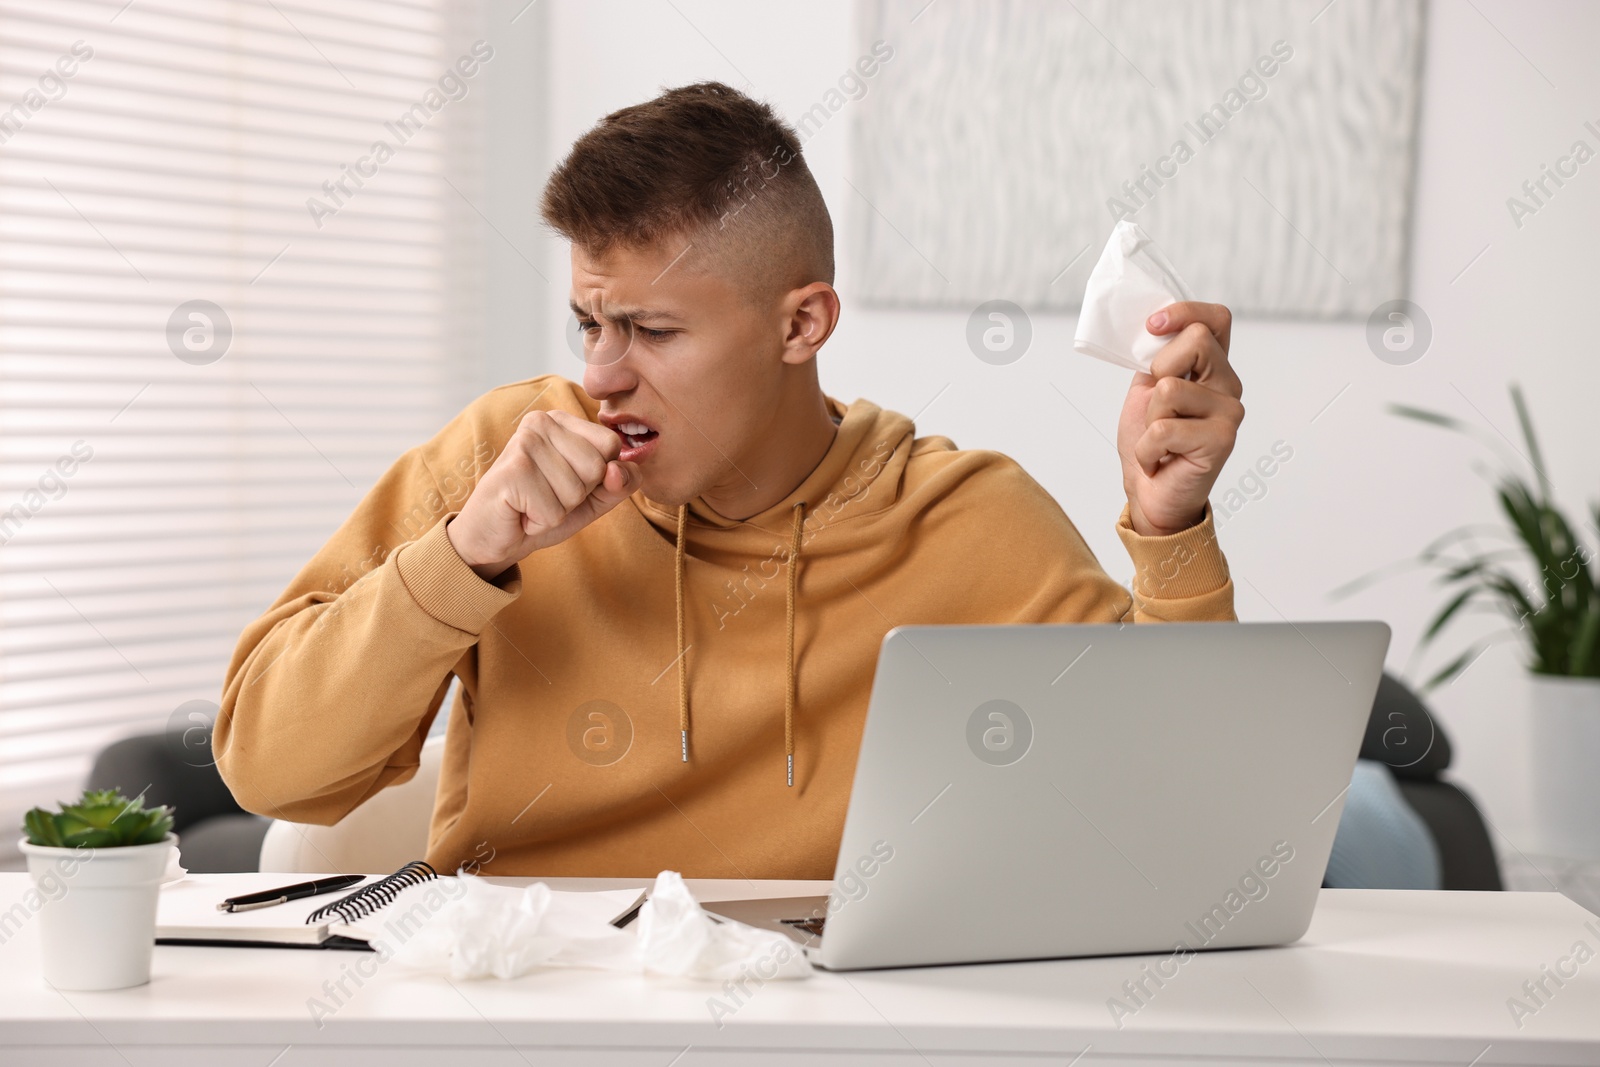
[(97, 867)]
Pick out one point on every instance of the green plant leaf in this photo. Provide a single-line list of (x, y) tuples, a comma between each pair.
[(1371, 578), (1511, 593), (41, 828), (1441, 420), (91, 837), (1449, 422), (1470, 529), (1582, 661), (1455, 572), (103, 818), (1533, 525), (1450, 609), (130, 820), (1557, 615), (77, 820), (158, 823), (102, 798), (1450, 670), (1491, 579), (1535, 457)]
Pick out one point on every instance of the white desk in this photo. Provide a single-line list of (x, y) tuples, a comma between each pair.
[(1382, 977)]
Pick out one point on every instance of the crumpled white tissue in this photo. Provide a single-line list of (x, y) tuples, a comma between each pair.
[(1132, 281), (504, 932), (677, 936)]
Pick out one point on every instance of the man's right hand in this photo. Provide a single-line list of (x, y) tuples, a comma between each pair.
[(558, 474)]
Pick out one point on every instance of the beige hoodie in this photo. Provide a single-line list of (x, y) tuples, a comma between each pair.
[(590, 669)]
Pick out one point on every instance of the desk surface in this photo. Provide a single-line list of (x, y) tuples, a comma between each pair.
[(1381, 977)]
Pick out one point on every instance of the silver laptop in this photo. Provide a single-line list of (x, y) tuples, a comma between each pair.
[(1033, 792)]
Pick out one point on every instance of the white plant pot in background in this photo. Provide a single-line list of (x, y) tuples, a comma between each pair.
[(1565, 750), (98, 915)]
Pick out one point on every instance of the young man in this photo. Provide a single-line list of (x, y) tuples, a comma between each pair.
[(664, 592)]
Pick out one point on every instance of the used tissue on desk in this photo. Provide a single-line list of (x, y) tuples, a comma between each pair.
[(504, 932), (676, 936), (1132, 281)]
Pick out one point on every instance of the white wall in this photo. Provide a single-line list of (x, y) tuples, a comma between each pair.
[(516, 157), (1363, 489)]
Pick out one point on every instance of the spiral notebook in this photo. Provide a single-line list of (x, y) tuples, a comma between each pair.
[(390, 906)]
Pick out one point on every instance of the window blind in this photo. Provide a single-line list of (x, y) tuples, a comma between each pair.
[(223, 313)]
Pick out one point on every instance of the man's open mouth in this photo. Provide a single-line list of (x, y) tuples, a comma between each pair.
[(634, 434)]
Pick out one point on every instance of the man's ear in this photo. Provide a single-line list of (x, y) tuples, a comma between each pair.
[(811, 313)]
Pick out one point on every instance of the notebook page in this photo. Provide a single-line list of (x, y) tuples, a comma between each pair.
[(187, 910)]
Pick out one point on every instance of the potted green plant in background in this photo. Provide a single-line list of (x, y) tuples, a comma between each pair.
[(1555, 615), (97, 867)]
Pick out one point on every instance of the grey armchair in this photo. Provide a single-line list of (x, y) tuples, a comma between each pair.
[(1403, 734), (215, 833)]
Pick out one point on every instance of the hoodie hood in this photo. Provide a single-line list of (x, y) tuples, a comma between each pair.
[(866, 436)]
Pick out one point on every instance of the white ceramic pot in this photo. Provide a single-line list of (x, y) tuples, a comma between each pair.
[(1565, 747), (97, 912)]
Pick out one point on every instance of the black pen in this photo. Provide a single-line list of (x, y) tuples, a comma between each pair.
[(268, 897)]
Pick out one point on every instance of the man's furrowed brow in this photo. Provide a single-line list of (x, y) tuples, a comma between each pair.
[(619, 313)]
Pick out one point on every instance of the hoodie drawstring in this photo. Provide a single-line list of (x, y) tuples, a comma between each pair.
[(790, 695), (789, 681), (683, 666)]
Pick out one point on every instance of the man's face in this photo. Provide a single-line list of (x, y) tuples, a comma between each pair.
[(687, 369)]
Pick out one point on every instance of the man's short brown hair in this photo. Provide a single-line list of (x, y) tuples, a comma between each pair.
[(706, 165)]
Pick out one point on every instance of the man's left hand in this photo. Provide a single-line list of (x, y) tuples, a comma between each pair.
[(1179, 421)]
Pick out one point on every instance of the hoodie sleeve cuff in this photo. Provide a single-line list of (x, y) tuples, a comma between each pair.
[(442, 584), (1176, 566)]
